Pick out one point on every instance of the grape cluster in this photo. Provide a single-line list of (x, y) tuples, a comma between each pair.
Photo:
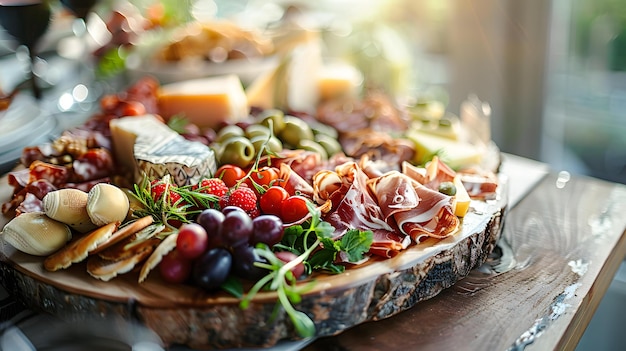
[(218, 244)]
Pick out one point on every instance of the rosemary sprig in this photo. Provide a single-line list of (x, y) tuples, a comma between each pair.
[(183, 210)]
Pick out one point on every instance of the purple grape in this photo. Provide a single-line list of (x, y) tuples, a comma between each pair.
[(226, 210), (267, 229), (212, 268), (237, 228), (211, 220), (244, 258)]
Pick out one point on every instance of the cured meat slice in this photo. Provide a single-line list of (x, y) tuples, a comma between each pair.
[(355, 208), (431, 176), (419, 212), (293, 182), (479, 184)]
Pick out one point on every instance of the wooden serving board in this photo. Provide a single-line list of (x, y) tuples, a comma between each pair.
[(185, 315)]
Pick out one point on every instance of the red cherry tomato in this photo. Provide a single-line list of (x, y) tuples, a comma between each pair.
[(131, 108), (294, 208), (265, 177), (230, 174), (271, 201)]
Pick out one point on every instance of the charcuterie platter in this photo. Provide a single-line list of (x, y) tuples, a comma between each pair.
[(280, 225), (183, 315)]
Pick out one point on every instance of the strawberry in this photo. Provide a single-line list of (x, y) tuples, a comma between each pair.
[(157, 189), (213, 186), (244, 198)]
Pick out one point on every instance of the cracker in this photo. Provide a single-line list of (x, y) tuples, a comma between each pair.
[(123, 232), (106, 270), (168, 244), (80, 248)]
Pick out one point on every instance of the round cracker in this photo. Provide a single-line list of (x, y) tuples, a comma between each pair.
[(80, 248)]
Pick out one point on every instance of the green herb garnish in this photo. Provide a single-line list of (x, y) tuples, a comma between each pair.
[(313, 243)]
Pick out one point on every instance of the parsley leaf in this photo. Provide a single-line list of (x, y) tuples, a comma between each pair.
[(356, 243)]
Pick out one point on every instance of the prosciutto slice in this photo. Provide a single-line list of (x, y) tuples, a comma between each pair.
[(479, 184), (355, 208), (431, 176), (418, 211)]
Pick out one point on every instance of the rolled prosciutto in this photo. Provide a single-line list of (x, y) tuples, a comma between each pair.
[(418, 211), (355, 208)]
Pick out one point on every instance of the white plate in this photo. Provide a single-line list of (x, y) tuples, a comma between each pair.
[(246, 69), (21, 125), (20, 122)]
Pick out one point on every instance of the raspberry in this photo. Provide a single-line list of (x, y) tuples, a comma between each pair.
[(213, 186), (244, 198)]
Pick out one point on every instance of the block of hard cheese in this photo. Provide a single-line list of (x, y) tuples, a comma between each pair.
[(144, 146), (456, 154), (206, 102)]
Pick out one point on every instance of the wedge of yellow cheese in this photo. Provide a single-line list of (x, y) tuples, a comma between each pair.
[(206, 102), (461, 198), (339, 80), (456, 154)]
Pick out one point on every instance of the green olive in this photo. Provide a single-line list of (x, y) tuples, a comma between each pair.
[(273, 144), (311, 145), (321, 128), (274, 117), (237, 151), (331, 145), (257, 129), (217, 149), (295, 131), (447, 188), (228, 132)]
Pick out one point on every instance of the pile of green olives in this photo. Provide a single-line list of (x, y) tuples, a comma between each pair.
[(239, 145)]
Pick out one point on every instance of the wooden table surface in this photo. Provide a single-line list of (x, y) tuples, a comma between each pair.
[(561, 246)]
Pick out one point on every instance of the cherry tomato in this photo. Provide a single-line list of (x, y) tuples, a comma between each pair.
[(294, 208), (265, 177), (131, 108), (230, 174), (271, 201)]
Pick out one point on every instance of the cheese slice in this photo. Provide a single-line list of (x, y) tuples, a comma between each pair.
[(456, 154), (461, 198), (144, 146), (339, 80), (124, 134), (206, 102)]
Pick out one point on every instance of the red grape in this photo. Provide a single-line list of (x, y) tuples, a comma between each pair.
[(287, 257), (192, 240), (175, 268), (267, 229)]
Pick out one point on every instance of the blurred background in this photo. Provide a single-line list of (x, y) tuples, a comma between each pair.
[(552, 71)]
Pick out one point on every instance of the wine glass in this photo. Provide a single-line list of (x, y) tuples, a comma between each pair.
[(80, 8), (26, 21), (85, 91)]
